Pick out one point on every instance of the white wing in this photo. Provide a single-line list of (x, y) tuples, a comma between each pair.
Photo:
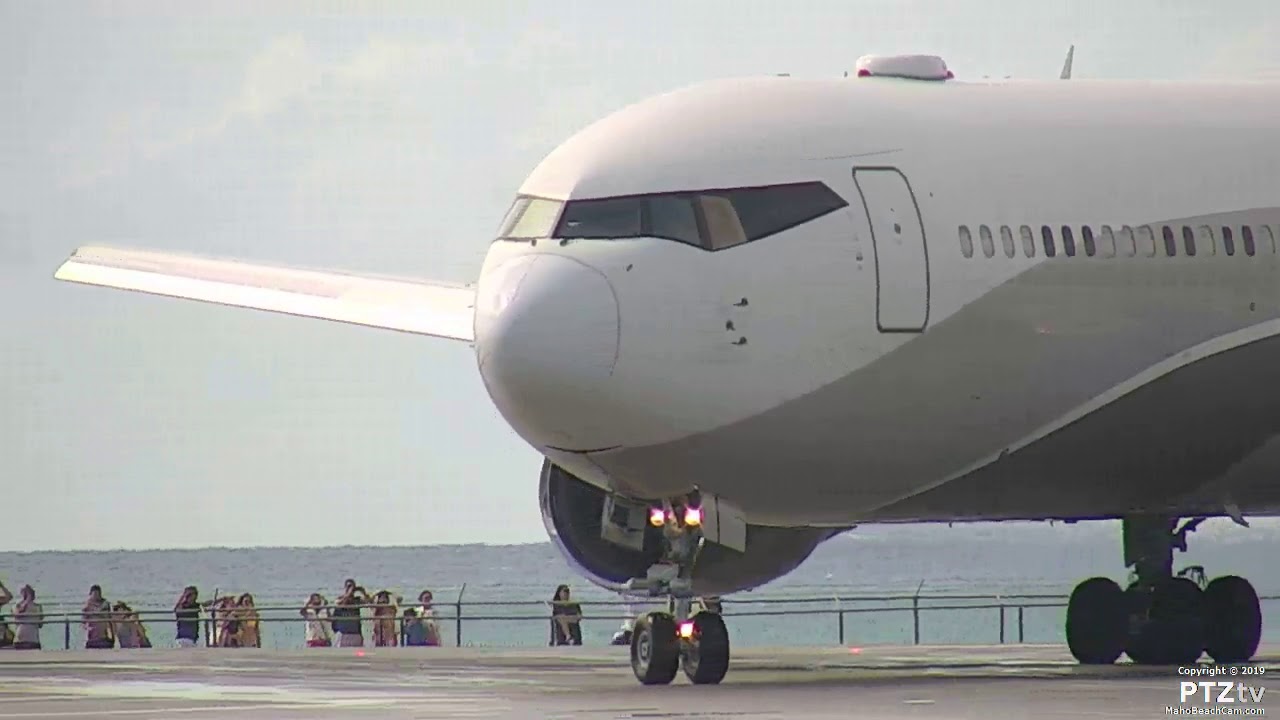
[(405, 305)]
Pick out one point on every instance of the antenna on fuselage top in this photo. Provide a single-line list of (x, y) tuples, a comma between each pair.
[(1066, 66)]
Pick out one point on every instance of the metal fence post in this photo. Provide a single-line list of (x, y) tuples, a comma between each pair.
[(66, 634), (1002, 624), (915, 613), (840, 614), (457, 611), (1020, 636)]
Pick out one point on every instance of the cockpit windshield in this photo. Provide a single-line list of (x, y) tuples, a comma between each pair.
[(530, 218), (612, 218), (708, 219)]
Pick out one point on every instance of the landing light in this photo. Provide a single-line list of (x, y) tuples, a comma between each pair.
[(693, 516), (657, 517), (686, 629)]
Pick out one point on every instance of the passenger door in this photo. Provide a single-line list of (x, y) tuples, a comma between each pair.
[(902, 261)]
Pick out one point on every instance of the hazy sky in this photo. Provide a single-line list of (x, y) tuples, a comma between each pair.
[(387, 137)]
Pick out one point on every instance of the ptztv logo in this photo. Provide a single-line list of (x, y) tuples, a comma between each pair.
[(1221, 691)]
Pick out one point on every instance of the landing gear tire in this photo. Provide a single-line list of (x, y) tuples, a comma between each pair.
[(705, 656), (1097, 622), (1233, 620), (1173, 633), (655, 649)]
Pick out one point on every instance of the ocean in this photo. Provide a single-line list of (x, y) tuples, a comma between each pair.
[(512, 583)]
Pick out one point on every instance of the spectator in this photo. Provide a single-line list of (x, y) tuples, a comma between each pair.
[(317, 629), (187, 612), (415, 631), (566, 618), (28, 618), (6, 633), (96, 617), (346, 616), (242, 625), (226, 622), (130, 632), (384, 619), (427, 616), (250, 621)]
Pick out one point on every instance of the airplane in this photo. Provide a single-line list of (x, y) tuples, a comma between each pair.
[(742, 317)]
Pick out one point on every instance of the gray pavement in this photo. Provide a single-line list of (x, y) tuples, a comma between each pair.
[(989, 682)]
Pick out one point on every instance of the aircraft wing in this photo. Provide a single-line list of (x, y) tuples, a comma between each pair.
[(401, 304)]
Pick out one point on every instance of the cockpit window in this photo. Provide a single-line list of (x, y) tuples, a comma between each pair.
[(513, 214), (673, 217), (710, 219), (763, 211), (530, 218), (611, 218)]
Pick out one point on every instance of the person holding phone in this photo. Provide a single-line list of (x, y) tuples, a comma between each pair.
[(28, 618), (187, 612)]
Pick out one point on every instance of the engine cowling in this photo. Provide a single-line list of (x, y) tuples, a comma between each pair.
[(573, 512)]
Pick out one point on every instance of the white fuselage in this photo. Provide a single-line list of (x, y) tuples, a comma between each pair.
[(871, 364)]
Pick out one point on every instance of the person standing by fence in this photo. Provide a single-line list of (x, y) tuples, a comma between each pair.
[(6, 633), (96, 615), (28, 618), (130, 632), (187, 612), (317, 628), (384, 619), (346, 616), (247, 615)]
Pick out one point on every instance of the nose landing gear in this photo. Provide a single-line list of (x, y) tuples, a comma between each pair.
[(662, 642)]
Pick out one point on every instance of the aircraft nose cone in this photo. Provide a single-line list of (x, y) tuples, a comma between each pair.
[(547, 342)]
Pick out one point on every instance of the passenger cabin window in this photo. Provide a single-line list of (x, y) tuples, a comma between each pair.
[(1228, 243), (1006, 239), (1170, 245), (1068, 242), (1189, 241), (966, 241), (1147, 241), (710, 219), (1127, 246), (1086, 234), (1108, 241), (1028, 241), (530, 218), (1266, 241), (1205, 241), (1246, 237), (988, 245), (1046, 232)]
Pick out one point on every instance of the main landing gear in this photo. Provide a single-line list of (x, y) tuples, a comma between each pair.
[(663, 642), (1163, 618)]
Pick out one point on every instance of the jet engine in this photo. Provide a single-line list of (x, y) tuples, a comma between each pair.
[(585, 522)]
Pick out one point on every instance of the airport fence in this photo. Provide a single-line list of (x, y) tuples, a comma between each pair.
[(754, 621)]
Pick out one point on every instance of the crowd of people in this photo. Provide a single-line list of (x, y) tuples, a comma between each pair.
[(234, 621), (339, 624), (105, 624)]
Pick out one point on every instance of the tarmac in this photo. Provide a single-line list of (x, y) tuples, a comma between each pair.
[(582, 683)]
